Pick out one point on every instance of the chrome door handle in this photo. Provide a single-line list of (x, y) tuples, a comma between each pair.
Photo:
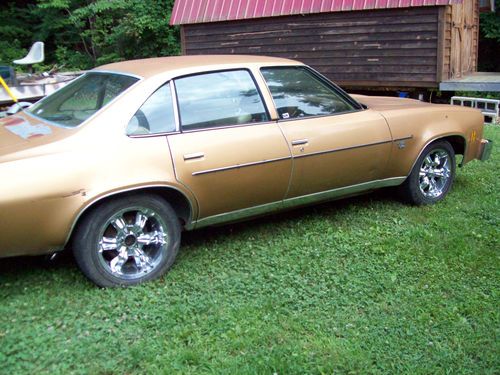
[(299, 142), (195, 155)]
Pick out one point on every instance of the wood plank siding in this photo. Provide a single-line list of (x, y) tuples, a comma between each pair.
[(393, 48)]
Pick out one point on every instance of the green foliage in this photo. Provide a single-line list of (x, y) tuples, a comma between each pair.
[(81, 34), (479, 94), (359, 286), (490, 23)]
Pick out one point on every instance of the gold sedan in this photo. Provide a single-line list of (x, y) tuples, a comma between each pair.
[(116, 164)]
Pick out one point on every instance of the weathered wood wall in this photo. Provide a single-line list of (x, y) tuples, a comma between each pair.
[(462, 34), (387, 48)]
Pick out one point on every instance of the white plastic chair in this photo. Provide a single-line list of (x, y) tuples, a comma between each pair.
[(34, 56)]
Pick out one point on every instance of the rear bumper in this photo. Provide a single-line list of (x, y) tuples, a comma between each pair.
[(485, 149)]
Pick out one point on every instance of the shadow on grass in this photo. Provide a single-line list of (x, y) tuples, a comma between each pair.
[(22, 268), (201, 236)]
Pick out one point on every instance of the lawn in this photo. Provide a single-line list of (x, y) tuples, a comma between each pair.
[(364, 285)]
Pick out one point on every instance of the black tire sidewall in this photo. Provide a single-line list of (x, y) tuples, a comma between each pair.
[(87, 238)]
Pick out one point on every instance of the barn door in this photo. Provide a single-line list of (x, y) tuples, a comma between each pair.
[(464, 38)]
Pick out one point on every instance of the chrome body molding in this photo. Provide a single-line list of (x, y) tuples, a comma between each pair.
[(296, 143), (403, 138), (343, 149), (195, 155), (240, 166), (294, 202)]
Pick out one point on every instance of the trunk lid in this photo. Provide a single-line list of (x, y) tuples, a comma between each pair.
[(21, 132)]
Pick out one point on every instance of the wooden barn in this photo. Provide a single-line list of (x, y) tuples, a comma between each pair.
[(359, 44)]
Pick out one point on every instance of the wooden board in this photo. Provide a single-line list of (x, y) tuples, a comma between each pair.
[(464, 25), (405, 48)]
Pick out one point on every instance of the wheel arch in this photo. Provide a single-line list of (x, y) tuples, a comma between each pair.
[(181, 204), (457, 142)]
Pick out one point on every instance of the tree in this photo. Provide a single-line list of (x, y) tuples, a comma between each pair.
[(489, 40), (490, 23), (81, 34)]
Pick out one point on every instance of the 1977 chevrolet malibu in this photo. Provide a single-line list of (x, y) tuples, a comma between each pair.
[(116, 164)]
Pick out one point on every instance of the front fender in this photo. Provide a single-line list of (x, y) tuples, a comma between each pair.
[(426, 125)]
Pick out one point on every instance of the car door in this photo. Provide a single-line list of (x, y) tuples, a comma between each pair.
[(335, 144), (229, 153)]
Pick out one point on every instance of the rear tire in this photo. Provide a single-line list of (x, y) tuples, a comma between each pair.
[(127, 241), (432, 175)]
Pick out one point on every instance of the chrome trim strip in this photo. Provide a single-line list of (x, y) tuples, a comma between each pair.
[(195, 155), (342, 149), (285, 120), (115, 72), (153, 135), (250, 164), (343, 191), (229, 126), (177, 118), (403, 138), (296, 201)]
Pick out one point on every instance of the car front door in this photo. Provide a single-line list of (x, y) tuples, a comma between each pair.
[(229, 153), (335, 144)]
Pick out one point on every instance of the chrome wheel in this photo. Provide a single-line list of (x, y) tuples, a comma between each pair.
[(133, 242), (435, 173)]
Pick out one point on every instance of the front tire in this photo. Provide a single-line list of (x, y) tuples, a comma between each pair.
[(127, 241), (432, 175)]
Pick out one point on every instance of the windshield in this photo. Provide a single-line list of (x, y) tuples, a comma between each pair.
[(76, 102)]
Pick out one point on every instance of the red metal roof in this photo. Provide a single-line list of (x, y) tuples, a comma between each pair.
[(199, 11)]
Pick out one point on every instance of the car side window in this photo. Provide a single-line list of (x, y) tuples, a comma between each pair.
[(156, 115), (297, 93), (219, 99)]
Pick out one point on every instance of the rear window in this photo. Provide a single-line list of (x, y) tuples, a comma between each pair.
[(76, 102)]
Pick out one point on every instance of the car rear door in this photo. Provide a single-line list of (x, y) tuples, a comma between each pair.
[(229, 153), (334, 143)]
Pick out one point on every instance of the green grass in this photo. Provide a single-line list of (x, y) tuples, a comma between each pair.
[(364, 285)]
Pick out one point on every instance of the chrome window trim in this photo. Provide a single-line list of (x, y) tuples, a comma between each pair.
[(174, 109), (139, 79), (272, 122), (315, 116), (175, 105), (296, 201), (163, 134)]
